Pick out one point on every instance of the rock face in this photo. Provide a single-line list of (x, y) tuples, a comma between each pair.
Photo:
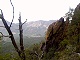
[(55, 34)]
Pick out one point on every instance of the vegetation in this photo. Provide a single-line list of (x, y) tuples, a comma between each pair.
[(68, 48), (32, 44)]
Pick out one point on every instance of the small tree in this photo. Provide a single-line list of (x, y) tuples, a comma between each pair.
[(70, 13)]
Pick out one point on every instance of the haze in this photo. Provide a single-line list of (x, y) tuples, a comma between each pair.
[(34, 10)]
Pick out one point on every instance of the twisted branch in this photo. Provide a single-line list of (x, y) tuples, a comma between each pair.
[(13, 13)]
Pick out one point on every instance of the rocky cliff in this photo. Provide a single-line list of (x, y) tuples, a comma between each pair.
[(60, 30), (55, 34)]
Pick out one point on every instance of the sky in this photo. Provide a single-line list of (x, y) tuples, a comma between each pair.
[(34, 10)]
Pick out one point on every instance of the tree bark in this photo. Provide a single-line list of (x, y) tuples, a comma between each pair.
[(21, 38)]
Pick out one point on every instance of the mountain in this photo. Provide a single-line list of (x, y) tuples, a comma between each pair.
[(30, 29), (36, 28)]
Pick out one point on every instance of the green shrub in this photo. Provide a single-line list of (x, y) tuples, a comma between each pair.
[(64, 43)]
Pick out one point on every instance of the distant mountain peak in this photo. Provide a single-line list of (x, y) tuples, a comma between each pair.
[(34, 28)]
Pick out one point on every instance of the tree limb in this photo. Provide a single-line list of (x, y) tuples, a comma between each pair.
[(25, 22), (1, 34), (10, 34), (1, 15), (36, 53), (4, 35), (13, 13), (21, 38), (2, 26)]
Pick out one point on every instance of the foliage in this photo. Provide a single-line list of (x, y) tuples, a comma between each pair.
[(76, 17), (30, 52), (64, 43), (69, 48), (69, 14), (32, 44), (8, 56), (50, 54)]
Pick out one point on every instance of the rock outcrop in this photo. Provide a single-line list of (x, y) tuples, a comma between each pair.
[(55, 34)]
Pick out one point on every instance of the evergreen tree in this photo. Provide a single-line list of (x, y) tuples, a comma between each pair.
[(76, 16)]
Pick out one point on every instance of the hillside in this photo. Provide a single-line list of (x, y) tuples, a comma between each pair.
[(30, 29), (63, 38)]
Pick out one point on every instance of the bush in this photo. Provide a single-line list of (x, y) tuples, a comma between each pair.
[(63, 44)]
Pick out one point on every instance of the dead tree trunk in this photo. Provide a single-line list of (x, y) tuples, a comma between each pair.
[(21, 38), (21, 50), (10, 34)]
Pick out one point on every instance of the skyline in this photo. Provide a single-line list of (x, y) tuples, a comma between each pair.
[(34, 10)]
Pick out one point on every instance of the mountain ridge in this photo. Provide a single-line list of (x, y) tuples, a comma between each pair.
[(31, 29)]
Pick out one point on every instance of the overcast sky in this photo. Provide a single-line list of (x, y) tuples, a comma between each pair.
[(34, 10)]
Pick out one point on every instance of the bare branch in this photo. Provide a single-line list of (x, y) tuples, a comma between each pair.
[(36, 53), (1, 34), (25, 22), (1, 11), (2, 26), (10, 34), (42, 55), (4, 35), (21, 38), (13, 13), (1, 15)]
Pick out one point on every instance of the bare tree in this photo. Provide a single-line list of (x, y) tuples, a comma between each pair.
[(21, 37), (21, 50)]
